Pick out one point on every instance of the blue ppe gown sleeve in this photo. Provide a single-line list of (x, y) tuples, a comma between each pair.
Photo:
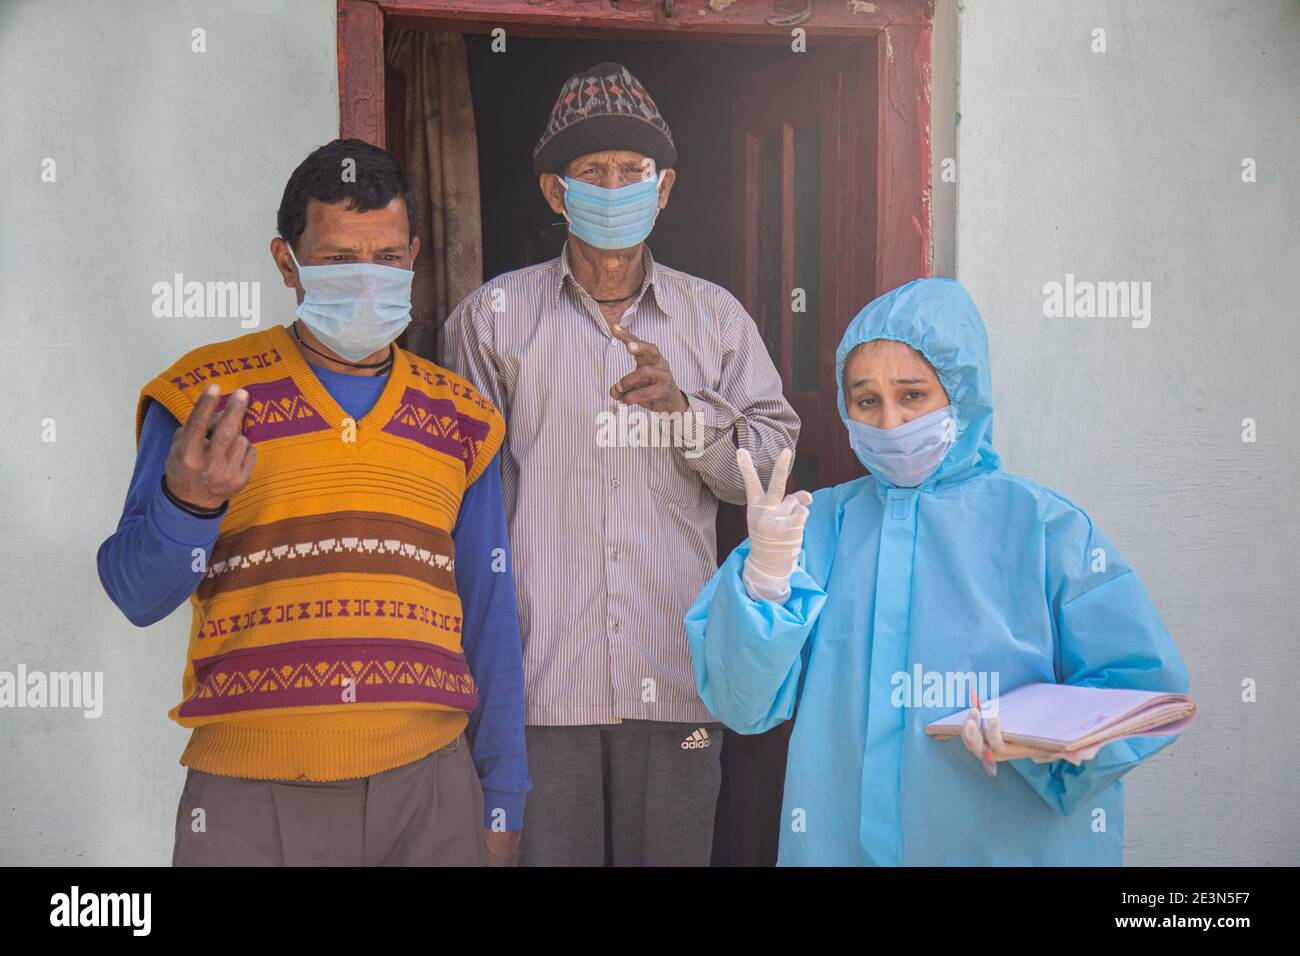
[(1108, 634), (749, 656), (493, 649)]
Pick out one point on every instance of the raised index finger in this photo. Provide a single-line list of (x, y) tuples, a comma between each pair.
[(645, 353), (195, 430)]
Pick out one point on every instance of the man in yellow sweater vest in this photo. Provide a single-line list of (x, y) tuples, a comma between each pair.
[(332, 508)]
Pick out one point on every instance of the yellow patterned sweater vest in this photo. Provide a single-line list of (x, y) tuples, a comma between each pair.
[(326, 641)]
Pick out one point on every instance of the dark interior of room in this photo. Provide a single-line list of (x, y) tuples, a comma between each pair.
[(692, 84)]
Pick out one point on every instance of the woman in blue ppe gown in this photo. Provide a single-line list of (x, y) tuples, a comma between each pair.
[(973, 571)]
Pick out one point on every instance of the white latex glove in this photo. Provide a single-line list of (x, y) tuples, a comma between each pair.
[(974, 738), (776, 523)]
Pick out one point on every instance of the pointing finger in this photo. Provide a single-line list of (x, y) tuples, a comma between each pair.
[(645, 353), (624, 336)]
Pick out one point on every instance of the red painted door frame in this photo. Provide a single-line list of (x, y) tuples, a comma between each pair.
[(895, 133)]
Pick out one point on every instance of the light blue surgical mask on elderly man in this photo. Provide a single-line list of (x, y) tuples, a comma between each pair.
[(354, 308), (612, 218)]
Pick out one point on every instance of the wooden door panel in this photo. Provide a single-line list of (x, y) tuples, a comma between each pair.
[(790, 212)]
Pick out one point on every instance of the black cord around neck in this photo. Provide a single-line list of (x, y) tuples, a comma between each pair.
[(383, 366), (624, 298)]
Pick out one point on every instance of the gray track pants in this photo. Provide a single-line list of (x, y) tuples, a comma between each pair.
[(658, 781)]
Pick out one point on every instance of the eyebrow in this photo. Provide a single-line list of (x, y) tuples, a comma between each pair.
[(896, 381), (348, 250)]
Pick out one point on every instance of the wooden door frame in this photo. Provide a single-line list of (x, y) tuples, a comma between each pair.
[(896, 133)]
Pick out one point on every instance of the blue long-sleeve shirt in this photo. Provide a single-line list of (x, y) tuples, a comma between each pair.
[(148, 569)]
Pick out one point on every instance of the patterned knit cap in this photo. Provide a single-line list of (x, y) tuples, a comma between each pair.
[(603, 108)]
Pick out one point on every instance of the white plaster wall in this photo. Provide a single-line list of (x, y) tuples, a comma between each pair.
[(167, 161), (1126, 165)]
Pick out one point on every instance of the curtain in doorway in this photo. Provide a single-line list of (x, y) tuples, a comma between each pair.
[(438, 147)]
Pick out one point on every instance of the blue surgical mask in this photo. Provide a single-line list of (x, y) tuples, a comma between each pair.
[(908, 454), (611, 218), (355, 308)]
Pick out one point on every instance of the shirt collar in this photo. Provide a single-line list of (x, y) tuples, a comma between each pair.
[(648, 285)]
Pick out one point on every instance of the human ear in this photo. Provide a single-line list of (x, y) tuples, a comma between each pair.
[(553, 191)]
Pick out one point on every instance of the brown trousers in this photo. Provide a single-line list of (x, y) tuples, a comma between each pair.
[(427, 813)]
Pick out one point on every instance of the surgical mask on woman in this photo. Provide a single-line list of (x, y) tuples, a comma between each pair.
[(611, 218), (354, 308), (908, 454)]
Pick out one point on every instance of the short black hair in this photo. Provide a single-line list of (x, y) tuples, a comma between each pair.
[(378, 181)]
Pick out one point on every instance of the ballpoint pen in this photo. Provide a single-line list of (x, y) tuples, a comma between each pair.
[(986, 757)]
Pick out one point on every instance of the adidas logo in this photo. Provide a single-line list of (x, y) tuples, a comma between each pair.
[(698, 740)]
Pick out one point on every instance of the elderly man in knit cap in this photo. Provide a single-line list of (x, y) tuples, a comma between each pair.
[(628, 388)]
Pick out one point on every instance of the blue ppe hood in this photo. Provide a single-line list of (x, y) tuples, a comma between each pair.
[(937, 318)]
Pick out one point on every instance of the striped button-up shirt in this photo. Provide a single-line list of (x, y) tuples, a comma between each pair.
[(611, 509)]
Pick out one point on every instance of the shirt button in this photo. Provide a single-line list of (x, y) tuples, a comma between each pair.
[(614, 482), (615, 627), (613, 555)]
